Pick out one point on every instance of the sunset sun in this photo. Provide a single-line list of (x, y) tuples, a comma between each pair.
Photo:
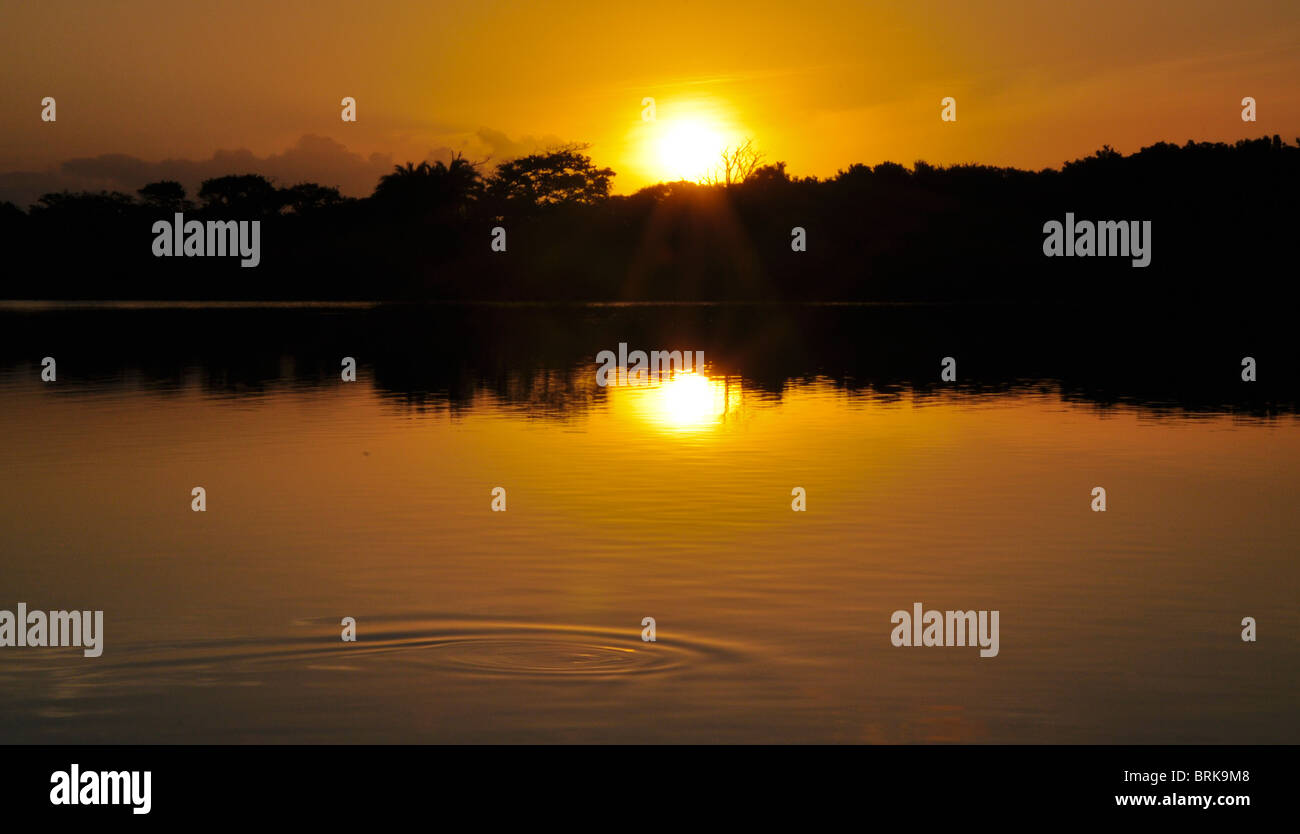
[(688, 149)]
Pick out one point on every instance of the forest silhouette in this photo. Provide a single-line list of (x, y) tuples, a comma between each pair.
[(1223, 219)]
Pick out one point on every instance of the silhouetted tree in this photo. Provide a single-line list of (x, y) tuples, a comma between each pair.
[(437, 189), (738, 164), (241, 194), (308, 196), (768, 175), (564, 175), (84, 205), (165, 196), (891, 173)]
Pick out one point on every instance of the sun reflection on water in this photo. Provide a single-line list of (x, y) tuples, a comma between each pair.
[(685, 403)]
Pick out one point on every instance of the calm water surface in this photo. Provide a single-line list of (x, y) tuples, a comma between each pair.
[(372, 500)]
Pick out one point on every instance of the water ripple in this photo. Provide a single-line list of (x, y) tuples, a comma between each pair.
[(473, 647)]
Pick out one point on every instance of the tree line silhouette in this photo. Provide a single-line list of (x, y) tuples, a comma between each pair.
[(1223, 219)]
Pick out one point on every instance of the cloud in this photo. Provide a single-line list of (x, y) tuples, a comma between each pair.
[(502, 148), (492, 147)]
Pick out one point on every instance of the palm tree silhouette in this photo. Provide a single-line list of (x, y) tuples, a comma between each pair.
[(431, 190)]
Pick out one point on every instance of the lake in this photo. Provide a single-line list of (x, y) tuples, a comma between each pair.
[(373, 500)]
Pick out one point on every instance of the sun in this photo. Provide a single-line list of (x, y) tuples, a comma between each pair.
[(688, 149)]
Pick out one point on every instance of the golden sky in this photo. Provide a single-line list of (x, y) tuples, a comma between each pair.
[(818, 84)]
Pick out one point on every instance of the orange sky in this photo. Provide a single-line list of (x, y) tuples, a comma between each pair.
[(817, 84)]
